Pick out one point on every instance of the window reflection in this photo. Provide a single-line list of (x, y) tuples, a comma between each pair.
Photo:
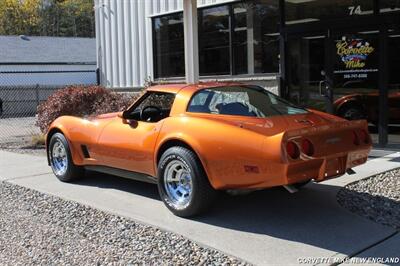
[(394, 88), (169, 58), (256, 33), (240, 38), (214, 41)]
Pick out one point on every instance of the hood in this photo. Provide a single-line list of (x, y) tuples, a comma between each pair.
[(106, 116)]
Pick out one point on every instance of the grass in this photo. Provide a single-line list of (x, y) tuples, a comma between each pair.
[(38, 141)]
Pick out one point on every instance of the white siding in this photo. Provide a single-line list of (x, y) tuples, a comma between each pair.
[(124, 38)]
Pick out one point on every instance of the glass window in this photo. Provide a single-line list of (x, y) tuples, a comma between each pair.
[(316, 10), (169, 57), (306, 57), (242, 101), (161, 100), (243, 39), (389, 5), (256, 37), (214, 41), (156, 106), (394, 88), (394, 62), (239, 38)]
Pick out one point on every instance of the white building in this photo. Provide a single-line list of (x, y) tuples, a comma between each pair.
[(46, 61), (141, 40), (33, 67)]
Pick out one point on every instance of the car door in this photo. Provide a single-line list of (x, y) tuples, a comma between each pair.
[(129, 143)]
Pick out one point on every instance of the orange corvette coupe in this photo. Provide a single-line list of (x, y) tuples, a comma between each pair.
[(196, 140)]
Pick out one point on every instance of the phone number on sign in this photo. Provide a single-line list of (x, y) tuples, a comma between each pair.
[(356, 76)]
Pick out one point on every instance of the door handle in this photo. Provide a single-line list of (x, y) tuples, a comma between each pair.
[(320, 87)]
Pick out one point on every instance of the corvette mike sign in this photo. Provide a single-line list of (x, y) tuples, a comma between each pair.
[(356, 59)]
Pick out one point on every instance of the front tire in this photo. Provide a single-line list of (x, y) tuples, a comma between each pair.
[(183, 184), (61, 161)]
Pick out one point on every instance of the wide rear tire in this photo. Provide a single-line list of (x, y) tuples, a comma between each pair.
[(183, 184), (61, 161)]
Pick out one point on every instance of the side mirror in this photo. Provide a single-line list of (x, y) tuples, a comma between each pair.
[(122, 115), (124, 118)]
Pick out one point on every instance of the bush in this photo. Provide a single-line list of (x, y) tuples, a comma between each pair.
[(81, 101)]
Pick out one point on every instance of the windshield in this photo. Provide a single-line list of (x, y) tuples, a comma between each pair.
[(243, 101)]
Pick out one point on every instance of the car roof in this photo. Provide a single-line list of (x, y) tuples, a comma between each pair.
[(171, 88), (175, 88)]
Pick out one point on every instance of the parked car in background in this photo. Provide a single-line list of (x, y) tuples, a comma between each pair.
[(366, 106), (196, 140)]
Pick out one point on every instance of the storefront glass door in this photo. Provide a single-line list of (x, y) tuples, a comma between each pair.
[(356, 77), (306, 61), (337, 72)]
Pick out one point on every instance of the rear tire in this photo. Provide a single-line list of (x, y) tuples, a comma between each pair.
[(352, 112), (61, 161), (183, 184)]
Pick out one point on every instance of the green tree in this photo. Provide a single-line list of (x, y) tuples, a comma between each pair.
[(47, 17), (19, 17), (77, 19)]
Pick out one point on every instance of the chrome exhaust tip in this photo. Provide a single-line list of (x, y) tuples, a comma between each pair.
[(350, 171), (292, 189)]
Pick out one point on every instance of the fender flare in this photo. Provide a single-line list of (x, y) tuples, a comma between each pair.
[(187, 142), (57, 128)]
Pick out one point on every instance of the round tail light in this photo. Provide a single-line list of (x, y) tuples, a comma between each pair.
[(364, 136), (356, 138), (307, 147), (292, 150)]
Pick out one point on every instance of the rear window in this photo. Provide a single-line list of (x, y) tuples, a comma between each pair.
[(242, 101)]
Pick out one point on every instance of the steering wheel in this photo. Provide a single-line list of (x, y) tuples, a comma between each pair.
[(158, 109)]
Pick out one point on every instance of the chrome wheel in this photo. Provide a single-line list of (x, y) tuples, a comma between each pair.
[(178, 184), (353, 114), (59, 159)]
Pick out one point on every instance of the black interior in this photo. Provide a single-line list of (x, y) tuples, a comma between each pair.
[(149, 114), (235, 108)]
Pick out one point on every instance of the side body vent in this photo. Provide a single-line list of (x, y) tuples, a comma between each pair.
[(85, 151)]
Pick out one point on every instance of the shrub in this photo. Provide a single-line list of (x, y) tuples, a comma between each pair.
[(80, 101)]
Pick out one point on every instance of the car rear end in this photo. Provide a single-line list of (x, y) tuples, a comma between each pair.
[(324, 152)]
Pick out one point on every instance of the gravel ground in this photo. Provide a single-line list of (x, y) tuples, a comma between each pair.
[(376, 198), (39, 229)]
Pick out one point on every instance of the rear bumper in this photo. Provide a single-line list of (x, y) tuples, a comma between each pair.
[(321, 169), (318, 169)]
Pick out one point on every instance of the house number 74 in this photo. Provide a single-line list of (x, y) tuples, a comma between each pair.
[(355, 10)]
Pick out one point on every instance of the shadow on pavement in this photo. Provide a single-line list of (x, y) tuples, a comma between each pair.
[(100, 180), (312, 216)]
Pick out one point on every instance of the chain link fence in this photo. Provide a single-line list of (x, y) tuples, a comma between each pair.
[(23, 87)]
